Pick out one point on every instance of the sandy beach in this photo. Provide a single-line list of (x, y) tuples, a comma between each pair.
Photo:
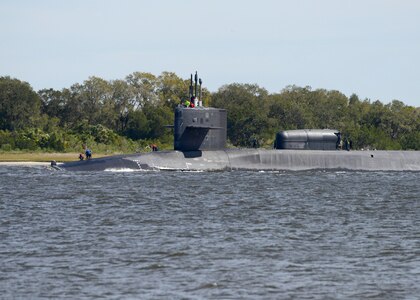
[(25, 163)]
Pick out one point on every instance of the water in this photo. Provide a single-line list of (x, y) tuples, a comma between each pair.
[(224, 235)]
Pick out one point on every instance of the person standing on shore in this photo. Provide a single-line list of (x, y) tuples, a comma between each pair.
[(88, 152)]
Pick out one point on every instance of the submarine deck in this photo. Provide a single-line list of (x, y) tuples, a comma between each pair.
[(255, 159)]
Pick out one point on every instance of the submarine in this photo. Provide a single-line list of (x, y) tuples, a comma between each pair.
[(200, 135)]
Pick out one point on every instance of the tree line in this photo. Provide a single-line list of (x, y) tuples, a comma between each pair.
[(128, 114)]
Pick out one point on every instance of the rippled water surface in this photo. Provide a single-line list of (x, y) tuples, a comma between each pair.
[(224, 235)]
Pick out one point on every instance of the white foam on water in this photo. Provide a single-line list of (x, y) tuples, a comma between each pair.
[(118, 170)]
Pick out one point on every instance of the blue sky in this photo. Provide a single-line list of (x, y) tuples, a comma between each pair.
[(367, 47)]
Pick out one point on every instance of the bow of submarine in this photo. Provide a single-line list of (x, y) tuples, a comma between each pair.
[(101, 164)]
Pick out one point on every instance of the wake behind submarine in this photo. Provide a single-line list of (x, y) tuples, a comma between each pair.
[(200, 145)]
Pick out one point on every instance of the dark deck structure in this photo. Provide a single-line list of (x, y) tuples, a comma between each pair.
[(308, 139)]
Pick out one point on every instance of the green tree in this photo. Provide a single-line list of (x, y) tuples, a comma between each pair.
[(329, 109), (20, 106), (289, 109), (94, 94), (171, 89), (158, 118), (247, 107), (73, 112), (150, 122), (137, 125), (53, 103), (123, 97), (145, 87)]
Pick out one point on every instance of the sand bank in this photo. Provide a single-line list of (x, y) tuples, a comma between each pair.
[(24, 163)]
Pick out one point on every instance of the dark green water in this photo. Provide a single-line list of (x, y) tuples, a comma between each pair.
[(228, 235)]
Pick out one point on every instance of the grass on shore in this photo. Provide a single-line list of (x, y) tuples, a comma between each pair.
[(41, 156)]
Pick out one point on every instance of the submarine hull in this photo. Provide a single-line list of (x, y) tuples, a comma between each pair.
[(254, 159)]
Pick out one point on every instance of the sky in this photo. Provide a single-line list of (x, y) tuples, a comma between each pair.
[(367, 47)]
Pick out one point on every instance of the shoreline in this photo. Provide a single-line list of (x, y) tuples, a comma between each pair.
[(25, 163), (31, 158)]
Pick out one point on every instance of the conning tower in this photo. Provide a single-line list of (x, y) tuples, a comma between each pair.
[(197, 127)]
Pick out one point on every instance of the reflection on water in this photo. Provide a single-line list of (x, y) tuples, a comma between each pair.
[(209, 235)]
